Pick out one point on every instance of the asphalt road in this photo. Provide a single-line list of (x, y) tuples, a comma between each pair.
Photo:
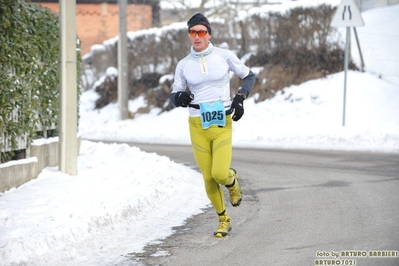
[(299, 208)]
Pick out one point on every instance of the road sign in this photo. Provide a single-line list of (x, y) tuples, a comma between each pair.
[(347, 15)]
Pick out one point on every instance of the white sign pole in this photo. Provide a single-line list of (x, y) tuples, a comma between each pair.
[(346, 71)]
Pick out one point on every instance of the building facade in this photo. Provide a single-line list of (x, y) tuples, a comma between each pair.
[(98, 20)]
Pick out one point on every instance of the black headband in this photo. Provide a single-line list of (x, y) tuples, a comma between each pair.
[(199, 19)]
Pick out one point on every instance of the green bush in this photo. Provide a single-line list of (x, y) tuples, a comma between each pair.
[(29, 71)]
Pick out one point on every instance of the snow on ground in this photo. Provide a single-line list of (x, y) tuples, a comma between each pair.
[(123, 198), (306, 116)]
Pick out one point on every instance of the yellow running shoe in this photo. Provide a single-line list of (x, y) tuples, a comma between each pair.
[(224, 226), (234, 189)]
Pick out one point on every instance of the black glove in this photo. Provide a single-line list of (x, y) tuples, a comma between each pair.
[(183, 98), (238, 107)]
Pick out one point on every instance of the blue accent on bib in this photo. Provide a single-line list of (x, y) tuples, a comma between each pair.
[(212, 113)]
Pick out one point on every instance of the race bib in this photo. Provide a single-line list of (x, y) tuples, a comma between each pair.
[(212, 113)]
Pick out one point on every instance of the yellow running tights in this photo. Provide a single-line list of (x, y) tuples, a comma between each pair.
[(213, 152)]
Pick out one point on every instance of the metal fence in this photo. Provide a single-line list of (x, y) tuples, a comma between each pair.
[(6, 143), (21, 140)]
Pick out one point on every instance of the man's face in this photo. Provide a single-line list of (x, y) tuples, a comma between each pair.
[(199, 43)]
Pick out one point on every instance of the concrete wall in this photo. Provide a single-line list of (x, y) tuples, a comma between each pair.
[(16, 173)]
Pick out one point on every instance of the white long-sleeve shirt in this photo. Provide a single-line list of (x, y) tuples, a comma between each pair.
[(207, 75)]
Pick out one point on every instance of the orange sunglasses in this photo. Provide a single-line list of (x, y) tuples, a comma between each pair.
[(200, 33)]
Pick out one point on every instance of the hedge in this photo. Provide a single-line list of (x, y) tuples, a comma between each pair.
[(29, 72)]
